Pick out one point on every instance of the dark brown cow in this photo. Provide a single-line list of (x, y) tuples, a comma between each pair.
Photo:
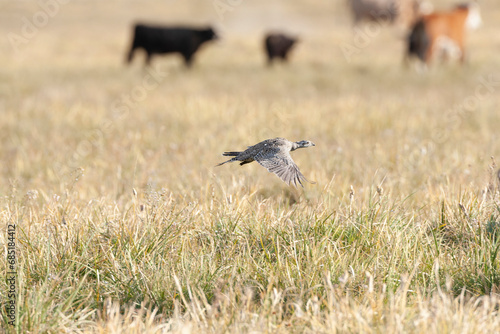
[(401, 12), (277, 46)]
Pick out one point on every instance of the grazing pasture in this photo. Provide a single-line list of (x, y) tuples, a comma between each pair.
[(124, 225)]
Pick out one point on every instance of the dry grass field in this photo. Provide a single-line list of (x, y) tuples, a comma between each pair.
[(124, 225)]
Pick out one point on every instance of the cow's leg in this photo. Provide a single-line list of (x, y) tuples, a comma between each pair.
[(462, 57), (130, 55), (462, 54), (429, 52), (270, 58), (444, 54), (149, 55), (188, 59)]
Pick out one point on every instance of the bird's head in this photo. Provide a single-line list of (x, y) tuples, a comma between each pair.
[(302, 143)]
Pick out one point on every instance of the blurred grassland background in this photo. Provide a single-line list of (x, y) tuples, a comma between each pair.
[(124, 224)]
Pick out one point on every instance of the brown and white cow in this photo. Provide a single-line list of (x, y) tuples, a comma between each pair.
[(442, 34)]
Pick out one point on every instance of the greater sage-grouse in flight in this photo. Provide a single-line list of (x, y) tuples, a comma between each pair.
[(273, 154)]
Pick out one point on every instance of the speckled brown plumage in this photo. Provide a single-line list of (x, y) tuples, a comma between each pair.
[(274, 155)]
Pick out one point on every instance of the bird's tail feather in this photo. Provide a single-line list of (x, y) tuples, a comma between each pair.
[(230, 154), (225, 162)]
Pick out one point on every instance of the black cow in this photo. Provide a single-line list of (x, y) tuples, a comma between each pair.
[(278, 46), (158, 40), (418, 41)]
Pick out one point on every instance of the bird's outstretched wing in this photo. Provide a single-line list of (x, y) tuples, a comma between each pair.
[(280, 163)]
